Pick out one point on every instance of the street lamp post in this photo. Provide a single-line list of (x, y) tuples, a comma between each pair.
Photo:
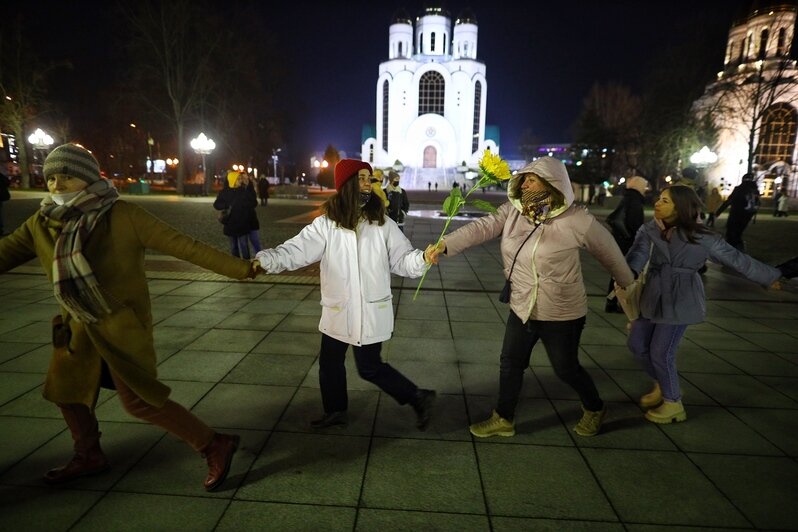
[(41, 141), (274, 160), (203, 146)]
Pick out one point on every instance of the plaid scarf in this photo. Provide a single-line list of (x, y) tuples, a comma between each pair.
[(535, 205), (74, 282)]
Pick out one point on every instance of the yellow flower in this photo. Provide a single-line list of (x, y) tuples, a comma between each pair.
[(494, 168)]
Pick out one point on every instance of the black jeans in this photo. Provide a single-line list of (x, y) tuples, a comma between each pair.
[(561, 340), (332, 374)]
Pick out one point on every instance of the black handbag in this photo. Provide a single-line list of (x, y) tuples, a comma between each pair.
[(223, 215), (504, 295)]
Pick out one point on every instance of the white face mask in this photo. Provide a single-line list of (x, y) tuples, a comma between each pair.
[(66, 197)]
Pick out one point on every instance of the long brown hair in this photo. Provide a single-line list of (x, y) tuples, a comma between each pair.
[(688, 209), (344, 209)]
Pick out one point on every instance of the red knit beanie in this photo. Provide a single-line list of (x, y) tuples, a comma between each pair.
[(348, 168)]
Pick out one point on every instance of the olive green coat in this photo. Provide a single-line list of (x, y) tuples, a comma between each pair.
[(115, 249)]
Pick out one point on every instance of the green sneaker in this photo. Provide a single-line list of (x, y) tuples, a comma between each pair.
[(495, 425), (590, 424)]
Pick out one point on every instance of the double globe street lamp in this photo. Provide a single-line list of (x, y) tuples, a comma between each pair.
[(203, 146), (41, 141)]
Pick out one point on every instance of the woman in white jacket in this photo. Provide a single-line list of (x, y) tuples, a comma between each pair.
[(359, 247), (542, 233)]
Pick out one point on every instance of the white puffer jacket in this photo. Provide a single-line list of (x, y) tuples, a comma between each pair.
[(547, 281), (356, 269)]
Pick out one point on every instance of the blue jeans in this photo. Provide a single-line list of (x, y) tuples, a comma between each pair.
[(561, 340), (654, 347), (332, 374), (239, 246), (254, 238)]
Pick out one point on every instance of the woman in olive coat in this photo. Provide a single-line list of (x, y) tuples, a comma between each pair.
[(91, 247)]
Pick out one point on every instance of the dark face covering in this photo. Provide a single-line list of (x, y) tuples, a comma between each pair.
[(396, 183), (364, 198)]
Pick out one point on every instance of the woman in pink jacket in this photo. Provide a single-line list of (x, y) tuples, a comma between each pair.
[(541, 233)]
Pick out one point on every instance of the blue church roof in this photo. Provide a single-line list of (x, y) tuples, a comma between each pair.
[(368, 132), (492, 133)]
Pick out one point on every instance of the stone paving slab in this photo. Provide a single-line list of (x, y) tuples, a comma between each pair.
[(242, 355)]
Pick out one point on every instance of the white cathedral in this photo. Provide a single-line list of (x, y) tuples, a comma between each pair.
[(431, 99), (758, 51)]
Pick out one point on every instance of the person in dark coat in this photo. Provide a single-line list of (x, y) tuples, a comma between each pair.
[(240, 199), (263, 191), (743, 203), (624, 222), (398, 203)]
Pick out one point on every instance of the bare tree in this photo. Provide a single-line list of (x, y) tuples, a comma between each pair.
[(173, 45), (22, 89), (741, 100), (610, 120)]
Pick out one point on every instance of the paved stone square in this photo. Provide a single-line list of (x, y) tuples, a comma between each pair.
[(243, 356)]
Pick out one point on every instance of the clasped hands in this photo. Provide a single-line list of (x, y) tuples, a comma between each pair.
[(431, 254)]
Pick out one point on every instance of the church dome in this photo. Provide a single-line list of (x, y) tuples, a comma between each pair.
[(433, 10), (466, 16), (401, 17)]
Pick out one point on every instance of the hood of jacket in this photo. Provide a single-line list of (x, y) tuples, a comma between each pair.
[(554, 172)]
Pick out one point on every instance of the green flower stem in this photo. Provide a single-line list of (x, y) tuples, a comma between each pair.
[(482, 181)]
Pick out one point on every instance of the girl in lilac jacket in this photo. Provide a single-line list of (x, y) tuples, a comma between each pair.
[(673, 296)]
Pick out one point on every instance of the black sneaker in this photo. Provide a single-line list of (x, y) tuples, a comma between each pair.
[(789, 269), (331, 419), (422, 406)]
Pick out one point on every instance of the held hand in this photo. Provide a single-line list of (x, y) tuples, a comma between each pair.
[(776, 285), (433, 251), (255, 269)]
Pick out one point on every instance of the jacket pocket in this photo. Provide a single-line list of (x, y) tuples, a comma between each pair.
[(378, 317), (335, 317)]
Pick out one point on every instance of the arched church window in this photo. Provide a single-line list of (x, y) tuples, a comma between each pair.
[(430, 157), (432, 42), (742, 49), (385, 115), (477, 110), (780, 47), (777, 134), (431, 90), (730, 55), (763, 43), (444, 43)]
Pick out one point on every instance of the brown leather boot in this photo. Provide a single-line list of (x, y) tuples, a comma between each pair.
[(88, 458), (219, 455)]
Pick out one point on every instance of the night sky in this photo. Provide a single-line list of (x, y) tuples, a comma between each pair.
[(541, 57)]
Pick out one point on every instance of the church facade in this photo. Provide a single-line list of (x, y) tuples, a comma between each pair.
[(431, 100), (753, 103)]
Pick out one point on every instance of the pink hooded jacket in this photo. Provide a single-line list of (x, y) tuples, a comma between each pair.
[(547, 281)]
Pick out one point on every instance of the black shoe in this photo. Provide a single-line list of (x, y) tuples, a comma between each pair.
[(423, 406), (789, 269), (612, 306), (331, 419)]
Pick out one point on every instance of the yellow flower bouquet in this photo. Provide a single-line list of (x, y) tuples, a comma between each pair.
[(493, 170)]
